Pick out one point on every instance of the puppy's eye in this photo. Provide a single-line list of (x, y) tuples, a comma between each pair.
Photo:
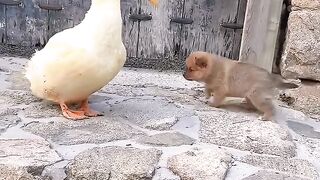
[(191, 70)]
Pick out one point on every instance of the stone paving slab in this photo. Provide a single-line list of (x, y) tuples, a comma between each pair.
[(306, 98), (245, 132), (114, 163), (10, 173), (20, 157), (149, 111), (166, 139), (98, 130), (42, 110), (296, 167), (201, 164), (156, 125), (267, 175), (17, 97), (21, 152), (8, 118)]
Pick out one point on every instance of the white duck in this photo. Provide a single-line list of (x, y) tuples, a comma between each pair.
[(81, 60)]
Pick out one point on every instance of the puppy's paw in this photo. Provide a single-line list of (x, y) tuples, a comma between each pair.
[(264, 118), (212, 102)]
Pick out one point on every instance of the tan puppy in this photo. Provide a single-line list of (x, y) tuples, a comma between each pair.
[(227, 78)]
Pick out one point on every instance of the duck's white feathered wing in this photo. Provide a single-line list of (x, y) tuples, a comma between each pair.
[(68, 70)]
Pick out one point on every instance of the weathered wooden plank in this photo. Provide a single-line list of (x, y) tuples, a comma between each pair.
[(75, 10), (159, 38), (242, 6), (72, 13), (16, 25), (281, 38), (130, 29), (55, 17), (10, 2), (2, 24), (21, 24), (260, 32), (26, 24), (36, 23), (205, 33)]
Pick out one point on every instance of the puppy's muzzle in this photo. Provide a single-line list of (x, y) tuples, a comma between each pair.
[(186, 76)]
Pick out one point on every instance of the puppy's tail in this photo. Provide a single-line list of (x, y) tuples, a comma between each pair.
[(283, 84), (288, 85)]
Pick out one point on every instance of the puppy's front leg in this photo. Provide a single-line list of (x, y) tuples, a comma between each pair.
[(208, 92), (217, 99)]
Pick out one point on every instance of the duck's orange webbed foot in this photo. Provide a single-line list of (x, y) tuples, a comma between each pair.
[(87, 111), (71, 114)]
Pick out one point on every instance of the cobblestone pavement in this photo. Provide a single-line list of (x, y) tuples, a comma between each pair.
[(156, 126)]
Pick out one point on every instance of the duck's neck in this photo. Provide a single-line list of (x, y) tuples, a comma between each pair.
[(104, 19), (112, 4)]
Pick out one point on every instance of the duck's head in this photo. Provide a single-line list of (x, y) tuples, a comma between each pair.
[(154, 2)]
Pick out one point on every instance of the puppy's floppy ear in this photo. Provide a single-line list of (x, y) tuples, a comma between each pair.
[(201, 62)]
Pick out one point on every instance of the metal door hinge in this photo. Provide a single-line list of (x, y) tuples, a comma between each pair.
[(53, 7), (10, 2), (231, 25), (140, 17), (182, 20)]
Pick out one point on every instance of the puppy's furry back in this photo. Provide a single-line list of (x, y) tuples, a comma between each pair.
[(251, 73)]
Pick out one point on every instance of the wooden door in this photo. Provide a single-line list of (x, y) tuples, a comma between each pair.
[(33, 22), (179, 27), (154, 37), (148, 36), (206, 32), (130, 33), (14, 21), (65, 14), (3, 35), (21, 23)]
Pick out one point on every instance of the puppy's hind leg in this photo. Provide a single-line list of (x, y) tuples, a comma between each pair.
[(263, 102), (249, 104)]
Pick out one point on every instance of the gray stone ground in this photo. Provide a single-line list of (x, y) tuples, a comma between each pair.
[(156, 126)]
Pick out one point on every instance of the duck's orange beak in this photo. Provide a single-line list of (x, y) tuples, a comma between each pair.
[(154, 2)]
